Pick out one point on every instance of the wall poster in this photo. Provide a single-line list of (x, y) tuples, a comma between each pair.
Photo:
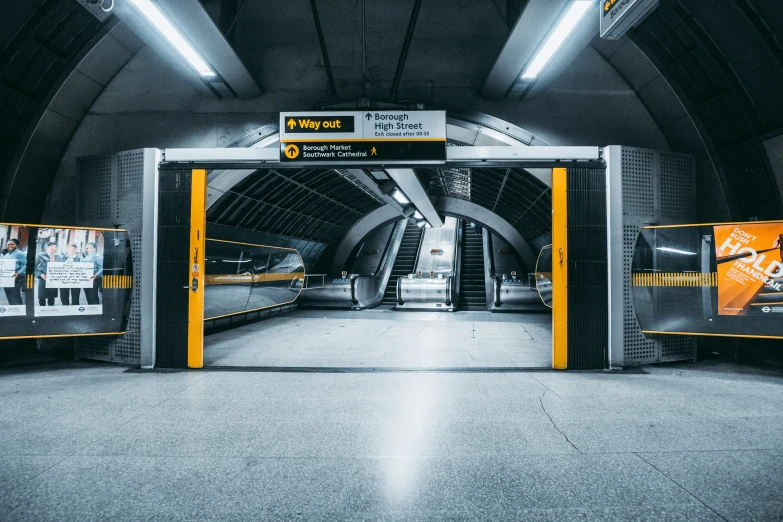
[(750, 268), (13, 269), (68, 272)]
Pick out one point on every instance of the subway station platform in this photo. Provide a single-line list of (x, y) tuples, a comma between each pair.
[(383, 338), (690, 442)]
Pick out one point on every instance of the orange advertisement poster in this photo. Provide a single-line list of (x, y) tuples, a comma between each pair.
[(750, 268)]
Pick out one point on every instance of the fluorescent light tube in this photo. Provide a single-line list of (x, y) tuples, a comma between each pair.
[(675, 251), (556, 39), (162, 24), (421, 223), (399, 197), (418, 215)]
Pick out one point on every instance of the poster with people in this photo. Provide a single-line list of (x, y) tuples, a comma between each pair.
[(13, 269), (68, 272), (750, 268)]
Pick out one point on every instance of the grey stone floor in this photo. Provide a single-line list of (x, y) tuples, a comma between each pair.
[(688, 442), (381, 338)]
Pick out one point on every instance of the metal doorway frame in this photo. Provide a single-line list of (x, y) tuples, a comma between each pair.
[(557, 158)]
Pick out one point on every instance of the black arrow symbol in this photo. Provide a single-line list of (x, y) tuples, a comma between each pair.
[(369, 117)]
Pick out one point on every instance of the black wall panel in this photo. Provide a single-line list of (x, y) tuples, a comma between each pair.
[(588, 287), (174, 192)]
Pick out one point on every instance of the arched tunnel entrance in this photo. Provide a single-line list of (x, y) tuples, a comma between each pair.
[(380, 284), (453, 296), (233, 236)]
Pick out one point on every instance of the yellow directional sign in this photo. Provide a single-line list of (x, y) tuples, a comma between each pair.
[(291, 124), (292, 151)]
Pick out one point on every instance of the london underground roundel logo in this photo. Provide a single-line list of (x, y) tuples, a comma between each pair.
[(766, 309), (81, 309)]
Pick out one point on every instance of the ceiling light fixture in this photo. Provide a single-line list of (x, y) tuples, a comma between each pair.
[(418, 215), (675, 251), (399, 197), (165, 27), (556, 38)]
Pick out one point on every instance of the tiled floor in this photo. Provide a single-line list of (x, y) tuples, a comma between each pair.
[(383, 338), (684, 442)]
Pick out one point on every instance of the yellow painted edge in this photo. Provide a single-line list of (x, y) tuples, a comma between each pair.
[(69, 227), (713, 224), (651, 332), (340, 140), (198, 228), (765, 304), (61, 335), (559, 269), (252, 244)]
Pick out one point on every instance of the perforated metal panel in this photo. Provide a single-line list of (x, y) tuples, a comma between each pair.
[(111, 195), (95, 178), (658, 188)]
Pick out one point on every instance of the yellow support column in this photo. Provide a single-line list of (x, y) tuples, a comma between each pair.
[(559, 269), (198, 226)]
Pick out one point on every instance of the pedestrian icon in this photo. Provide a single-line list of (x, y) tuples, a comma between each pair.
[(373, 152), (291, 151)]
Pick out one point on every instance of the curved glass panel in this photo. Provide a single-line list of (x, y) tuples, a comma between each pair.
[(544, 275), (722, 279), (242, 277)]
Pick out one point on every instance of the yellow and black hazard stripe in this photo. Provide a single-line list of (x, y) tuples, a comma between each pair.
[(681, 279)]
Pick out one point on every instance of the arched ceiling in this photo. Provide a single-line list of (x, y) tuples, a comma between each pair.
[(721, 59)]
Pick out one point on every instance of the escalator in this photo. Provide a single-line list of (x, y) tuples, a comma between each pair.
[(472, 292), (404, 263)]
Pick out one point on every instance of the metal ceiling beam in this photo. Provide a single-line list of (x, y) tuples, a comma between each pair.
[(410, 185), (404, 52), (324, 52), (522, 155)]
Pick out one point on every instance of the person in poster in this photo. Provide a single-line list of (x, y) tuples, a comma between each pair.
[(750, 276), (78, 266), (46, 296), (97, 279), (70, 296), (14, 293)]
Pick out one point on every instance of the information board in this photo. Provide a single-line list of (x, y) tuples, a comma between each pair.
[(369, 137)]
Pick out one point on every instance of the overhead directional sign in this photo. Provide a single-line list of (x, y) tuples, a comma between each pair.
[(617, 16), (369, 137)]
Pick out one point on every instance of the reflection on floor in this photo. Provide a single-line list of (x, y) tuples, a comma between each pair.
[(383, 338)]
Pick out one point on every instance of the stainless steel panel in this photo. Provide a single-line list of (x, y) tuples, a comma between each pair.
[(439, 249), (418, 290)]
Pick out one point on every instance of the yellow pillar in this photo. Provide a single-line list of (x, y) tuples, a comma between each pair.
[(559, 269), (198, 226)]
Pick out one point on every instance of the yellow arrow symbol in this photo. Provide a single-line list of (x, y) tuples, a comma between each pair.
[(291, 151), (291, 124)]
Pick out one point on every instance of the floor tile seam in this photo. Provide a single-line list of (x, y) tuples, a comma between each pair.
[(743, 450), (33, 478), (120, 426), (700, 501)]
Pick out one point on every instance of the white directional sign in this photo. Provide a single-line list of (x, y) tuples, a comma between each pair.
[(363, 137), (617, 16)]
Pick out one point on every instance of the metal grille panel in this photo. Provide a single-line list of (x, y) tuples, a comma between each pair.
[(95, 178), (658, 188), (121, 176)]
